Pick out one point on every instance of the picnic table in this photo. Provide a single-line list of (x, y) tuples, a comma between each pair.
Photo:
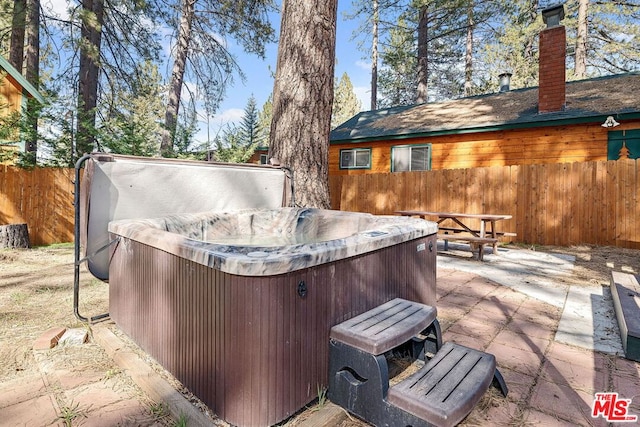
[(460, 230)]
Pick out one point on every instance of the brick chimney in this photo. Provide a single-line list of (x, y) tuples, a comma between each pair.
[(552, 71)]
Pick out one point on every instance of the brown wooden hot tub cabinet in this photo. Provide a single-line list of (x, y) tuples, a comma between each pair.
[(255, 348)]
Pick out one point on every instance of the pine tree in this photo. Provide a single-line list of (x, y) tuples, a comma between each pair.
[(133, 122), (249, 123), (303, 97), (613, 37), (513, 45), (345, 102), (200, 49), (397, 84), (238, 142), (265, 115)]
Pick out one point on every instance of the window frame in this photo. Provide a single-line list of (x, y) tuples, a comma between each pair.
[(411, 147), (354, 151)]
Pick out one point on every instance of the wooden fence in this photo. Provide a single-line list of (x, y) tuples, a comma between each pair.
[(42, 198), (551, 204)]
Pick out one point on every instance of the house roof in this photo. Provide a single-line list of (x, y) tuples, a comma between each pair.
[(588, 100), (26, 86)]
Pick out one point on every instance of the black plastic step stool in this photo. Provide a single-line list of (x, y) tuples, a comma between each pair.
[(441, 393)]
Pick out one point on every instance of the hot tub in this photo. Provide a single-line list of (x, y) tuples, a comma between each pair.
[(238, 305)]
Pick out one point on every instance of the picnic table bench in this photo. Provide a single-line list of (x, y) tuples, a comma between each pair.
[(461, 231)]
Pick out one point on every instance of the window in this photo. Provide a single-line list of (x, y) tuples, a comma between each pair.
[(355, 158), (629, 139), (263, 159), (411, 158)]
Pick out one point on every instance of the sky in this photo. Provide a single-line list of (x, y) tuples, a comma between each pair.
[(259, 82)]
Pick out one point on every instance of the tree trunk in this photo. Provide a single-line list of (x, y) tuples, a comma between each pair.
[(374, 56), (16, 51), (33, 70), (581, 40), (14, 236), (177, 75), (303, 97), (423, 60), (468, 61), (91, 36)]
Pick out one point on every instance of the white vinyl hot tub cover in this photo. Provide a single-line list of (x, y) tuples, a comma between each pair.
[(116, 187)]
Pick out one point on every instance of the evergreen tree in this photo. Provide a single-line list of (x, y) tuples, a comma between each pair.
[(425, 50), (57, 138), (582, 28), (513, 45), (397, 84), (613, 37), (18, 27), (132, 125), (115, 37), (265, 116), (201, 51), (231, 146), (238, 142), (345, 102), (249, 123), (186, 128), (6, 16)]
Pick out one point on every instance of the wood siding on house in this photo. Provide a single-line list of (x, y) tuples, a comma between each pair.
[(10, 103), (542, 145), (10, 95)]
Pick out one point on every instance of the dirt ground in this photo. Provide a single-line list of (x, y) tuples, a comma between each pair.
[(36, 293)]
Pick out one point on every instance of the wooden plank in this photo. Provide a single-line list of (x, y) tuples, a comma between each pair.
[(612, 194), (420, 190), (574, 187), (534, 203), (581, 181), (328, 415), (379, 193), (602, 220), (630, 202), (467, 238), (593, 200), (394, 188), (562, 174)]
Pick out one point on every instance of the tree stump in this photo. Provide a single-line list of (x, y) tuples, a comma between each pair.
[(14, 236)]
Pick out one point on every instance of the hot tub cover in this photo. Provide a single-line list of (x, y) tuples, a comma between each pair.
[(116, 187)]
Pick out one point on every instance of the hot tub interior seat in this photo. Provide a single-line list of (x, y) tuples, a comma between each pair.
[(267, 228)]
